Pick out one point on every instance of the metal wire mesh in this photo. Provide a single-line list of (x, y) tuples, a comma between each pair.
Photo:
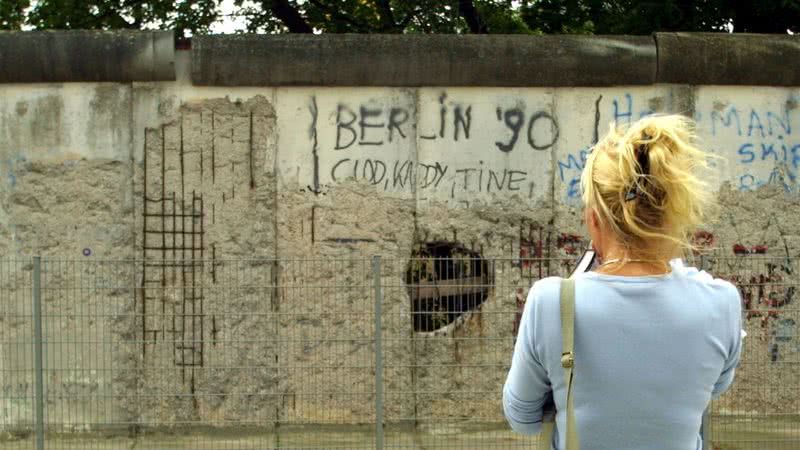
[(762, 411), (17, 369), (448, 331), (284, 354)]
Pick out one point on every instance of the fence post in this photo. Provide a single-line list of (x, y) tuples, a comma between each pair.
[(705, 432), (705, 428), (37, 345), (376, 276)]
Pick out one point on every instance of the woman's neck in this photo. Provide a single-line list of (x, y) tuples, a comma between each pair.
[(620, 262), (633, 269)]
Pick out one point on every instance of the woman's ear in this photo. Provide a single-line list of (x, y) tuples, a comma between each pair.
[(592, 220), (593, 224)]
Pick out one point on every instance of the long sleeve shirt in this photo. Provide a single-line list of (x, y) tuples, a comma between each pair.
[(650, 353)]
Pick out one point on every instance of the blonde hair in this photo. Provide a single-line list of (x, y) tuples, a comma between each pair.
[(645, 182)]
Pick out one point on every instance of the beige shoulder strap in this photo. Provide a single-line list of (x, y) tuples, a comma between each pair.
[(567, 302), (568, 356)]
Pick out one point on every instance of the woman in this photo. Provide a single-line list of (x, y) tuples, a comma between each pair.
[(654, 341)]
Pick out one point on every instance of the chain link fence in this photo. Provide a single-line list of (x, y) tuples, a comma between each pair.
[(357, 353)]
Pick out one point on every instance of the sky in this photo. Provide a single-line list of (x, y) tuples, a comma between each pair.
[(230, 23)]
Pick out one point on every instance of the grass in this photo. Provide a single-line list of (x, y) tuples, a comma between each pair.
[(779, 432)]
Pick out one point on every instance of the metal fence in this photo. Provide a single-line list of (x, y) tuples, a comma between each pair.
[(356, 353)]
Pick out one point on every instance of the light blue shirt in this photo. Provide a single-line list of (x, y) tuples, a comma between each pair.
[(650, 353)]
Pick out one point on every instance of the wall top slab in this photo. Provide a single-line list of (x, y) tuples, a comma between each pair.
[(423, 60), (88, 56), (496, 60), (405, 60)]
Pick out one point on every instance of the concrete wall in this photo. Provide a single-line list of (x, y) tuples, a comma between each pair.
[(154, 170)]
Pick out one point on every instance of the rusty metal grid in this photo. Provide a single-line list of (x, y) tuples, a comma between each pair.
[(314, 353)]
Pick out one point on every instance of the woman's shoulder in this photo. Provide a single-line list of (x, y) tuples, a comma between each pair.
[(545, 287), (717, 290), (699, 277), (545, 294)]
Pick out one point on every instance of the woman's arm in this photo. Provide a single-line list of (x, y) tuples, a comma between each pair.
[(527, 386), (735, 344)]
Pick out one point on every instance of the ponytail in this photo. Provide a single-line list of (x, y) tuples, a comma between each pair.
[(645, 182)]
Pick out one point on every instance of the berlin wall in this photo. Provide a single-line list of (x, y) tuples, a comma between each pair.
[(251, 148)]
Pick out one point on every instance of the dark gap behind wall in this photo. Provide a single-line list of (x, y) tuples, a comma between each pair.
[(445, 280)]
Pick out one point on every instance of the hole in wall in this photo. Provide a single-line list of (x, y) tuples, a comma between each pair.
[(445, 281)]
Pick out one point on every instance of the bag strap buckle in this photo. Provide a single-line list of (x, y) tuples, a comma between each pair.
[(567, 360)]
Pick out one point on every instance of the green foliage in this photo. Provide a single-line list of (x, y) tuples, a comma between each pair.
[(417, 16), (502, 19), (368, 16), (182, 16), (763, 16), (649, 16), (12, 13)]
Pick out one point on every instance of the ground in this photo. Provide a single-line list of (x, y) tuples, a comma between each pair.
[(781, 433)]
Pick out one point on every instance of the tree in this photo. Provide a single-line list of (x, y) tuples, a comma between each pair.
[(648, 16), (414, 16), (182, 16), (524, 16), (12, 14), (383, 16), (758, 16)]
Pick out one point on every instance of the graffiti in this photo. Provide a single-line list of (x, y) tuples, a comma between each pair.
[(462, 120), (312, 131), (703, 240), (569, 171), (749, 152), (778, 124), (739, 249), (766, 289), (623, 111), (495, 180), (766, 286), (570, 243), (762, 294), (471, 135), (394, 175), (514, 119), (398, 174), (369, 125), (784, 156), (533, 240), (780, 176), (541, 256), (765, 147), (366, 141)]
